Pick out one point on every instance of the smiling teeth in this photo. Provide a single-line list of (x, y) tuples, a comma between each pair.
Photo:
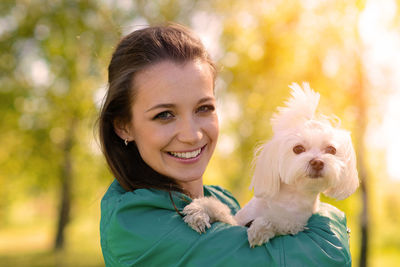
[(186, 155)]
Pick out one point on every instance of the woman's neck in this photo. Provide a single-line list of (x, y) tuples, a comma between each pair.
[(193, 188)]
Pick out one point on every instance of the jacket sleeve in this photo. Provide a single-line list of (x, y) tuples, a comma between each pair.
[(137, 234)]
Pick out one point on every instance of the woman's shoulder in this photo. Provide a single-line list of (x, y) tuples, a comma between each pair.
[(117, 197), (132, 222), (331, 215), (117, 194), (142, 204), (329, 210), (223, 195)]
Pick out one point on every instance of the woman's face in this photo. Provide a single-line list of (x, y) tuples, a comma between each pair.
[(174, 121)]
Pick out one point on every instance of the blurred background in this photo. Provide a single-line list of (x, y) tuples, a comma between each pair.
[(53, 68)]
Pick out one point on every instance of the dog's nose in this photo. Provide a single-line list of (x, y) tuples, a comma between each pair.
[(317, 164)]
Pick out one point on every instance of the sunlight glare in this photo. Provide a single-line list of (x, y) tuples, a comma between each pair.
[(382, 53)]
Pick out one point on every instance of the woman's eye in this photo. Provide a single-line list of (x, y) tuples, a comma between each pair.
[(206, 108), (165, 115)]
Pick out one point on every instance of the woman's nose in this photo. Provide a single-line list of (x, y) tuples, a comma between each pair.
[(189, 131)]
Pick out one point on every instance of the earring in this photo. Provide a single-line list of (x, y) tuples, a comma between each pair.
[(126, 142)]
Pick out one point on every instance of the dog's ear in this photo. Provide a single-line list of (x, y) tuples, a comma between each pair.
[(266, 178), (348, 182)]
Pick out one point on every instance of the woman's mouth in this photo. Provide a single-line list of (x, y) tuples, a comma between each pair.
[(187, 155)]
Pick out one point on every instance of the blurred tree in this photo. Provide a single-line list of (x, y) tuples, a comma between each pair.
[(361, 99), (53, 59), (360, 96)]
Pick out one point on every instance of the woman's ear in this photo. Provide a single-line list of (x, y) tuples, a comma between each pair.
[(122, 129)]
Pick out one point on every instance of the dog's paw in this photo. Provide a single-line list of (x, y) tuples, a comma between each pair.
[(260, 232), (196, 218)]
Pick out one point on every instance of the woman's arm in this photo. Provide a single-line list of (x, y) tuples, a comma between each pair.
[(143, 231), (324, 243)]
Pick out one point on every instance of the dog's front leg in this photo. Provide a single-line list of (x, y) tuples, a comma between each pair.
[(203, 211), (260, 231), (196, 217)]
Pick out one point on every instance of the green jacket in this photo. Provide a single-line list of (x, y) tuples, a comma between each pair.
[(142, 228)]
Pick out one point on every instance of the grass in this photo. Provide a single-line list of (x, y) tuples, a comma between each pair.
[(28, 241), (50, 259)]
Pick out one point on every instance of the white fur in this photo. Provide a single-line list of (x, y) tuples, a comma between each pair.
[(203, 211), (286, 187)]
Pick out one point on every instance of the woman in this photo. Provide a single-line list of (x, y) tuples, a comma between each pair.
[(158, 130)]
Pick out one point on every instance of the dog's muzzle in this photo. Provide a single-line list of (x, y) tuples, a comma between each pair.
[(317, 166)]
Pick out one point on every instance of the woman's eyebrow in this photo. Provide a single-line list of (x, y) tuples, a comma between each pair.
[(167, 105), (160, 106), (206, 99)]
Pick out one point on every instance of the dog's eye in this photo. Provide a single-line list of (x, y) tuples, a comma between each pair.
[(299, 149), (330, 150)]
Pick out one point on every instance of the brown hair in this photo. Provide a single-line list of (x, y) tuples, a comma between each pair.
[(135, 52)]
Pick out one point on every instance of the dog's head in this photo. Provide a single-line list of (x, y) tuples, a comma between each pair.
[(306, 151)]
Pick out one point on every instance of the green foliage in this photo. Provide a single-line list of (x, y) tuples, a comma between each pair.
[(53, 60)]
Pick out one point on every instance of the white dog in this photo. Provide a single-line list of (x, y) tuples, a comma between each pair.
[(306, 156)]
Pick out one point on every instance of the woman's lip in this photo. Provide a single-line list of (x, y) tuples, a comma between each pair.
[(185, 151), (188, 160)]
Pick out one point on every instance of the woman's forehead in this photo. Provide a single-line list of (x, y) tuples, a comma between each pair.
[(170, 81)]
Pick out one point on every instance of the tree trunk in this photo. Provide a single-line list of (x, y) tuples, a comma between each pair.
[(65, 195), (364, 216), (364, 226), (361, 105)]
